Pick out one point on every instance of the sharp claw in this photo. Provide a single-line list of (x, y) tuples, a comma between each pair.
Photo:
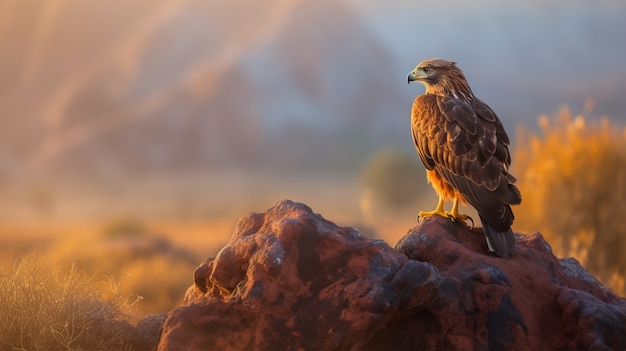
[(471, 220), (454, 219), (417, 218)]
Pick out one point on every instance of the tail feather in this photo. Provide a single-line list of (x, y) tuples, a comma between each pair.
[(502, 243)]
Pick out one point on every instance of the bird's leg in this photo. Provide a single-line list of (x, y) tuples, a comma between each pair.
[(437, 211), (455, 215)]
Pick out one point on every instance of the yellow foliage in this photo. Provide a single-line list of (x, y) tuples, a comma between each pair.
[(44, 307), (146, 266), (573, 182)]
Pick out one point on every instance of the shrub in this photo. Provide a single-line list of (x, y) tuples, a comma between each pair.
[(394, 178), (147, 266), (46, 308), (573, 182)]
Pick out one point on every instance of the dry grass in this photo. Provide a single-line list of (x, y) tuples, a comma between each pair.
[(94, 277), (144, 263), (573, 182), (44, 307), (86, 282)]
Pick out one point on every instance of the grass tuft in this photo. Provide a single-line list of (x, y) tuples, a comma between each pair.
[(46, 308), (572, 177)]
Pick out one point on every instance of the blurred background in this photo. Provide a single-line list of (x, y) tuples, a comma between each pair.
[(135, 133)]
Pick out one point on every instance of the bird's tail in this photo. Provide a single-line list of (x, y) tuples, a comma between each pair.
[(502, 243)]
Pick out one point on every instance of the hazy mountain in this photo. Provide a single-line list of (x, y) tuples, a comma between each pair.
[(120, 92), (185, 89)]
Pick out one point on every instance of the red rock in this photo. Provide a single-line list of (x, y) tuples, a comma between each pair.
[(531, 301), (147, 332), (291, 280)]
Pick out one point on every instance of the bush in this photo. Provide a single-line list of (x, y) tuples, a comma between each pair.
[(394, 178), (136, 256), (45, 308), (573, 183)]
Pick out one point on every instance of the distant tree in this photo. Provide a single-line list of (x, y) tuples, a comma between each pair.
[(394, 178), (573, 182)]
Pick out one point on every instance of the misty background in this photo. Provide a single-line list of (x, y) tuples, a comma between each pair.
[(212, 108)]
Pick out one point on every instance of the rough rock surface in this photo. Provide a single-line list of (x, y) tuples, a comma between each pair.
[(288, 279), (148, 331), (291, 280), (532, 301)]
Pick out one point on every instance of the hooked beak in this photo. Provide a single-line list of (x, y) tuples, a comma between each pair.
[(411, 77)]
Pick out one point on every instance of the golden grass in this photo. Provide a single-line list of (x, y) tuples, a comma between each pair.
[(573, 182), (145, 263), (150, 262), (90, 278), (85, 282), (44, 307)]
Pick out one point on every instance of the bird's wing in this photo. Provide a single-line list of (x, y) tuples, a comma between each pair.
[(469, 147), (419, 128)]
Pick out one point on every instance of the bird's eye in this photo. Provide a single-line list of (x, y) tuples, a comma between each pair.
[(426, 70)]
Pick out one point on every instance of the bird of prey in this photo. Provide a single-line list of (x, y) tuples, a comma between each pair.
[(464, 148)]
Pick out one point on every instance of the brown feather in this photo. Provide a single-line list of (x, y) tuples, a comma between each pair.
[(464, 146)]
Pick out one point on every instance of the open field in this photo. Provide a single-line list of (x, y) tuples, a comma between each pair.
[(152, 261), (136, 265)]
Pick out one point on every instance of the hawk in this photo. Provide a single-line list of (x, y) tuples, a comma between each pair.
[(464, 148)]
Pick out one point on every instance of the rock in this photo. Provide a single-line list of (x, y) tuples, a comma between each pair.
[(291, 280), (531, 301), (148, 332)]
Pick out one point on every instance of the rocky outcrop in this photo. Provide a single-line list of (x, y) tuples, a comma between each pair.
[(291, 280), (532, 301), (146, 333)]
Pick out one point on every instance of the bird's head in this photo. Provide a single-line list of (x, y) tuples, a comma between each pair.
[(441, 77), (431, 71)]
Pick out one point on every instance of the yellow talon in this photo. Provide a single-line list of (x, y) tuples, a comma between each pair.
[(437, 211), (454, 213), (456, 216)]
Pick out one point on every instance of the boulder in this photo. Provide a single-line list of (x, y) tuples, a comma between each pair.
[(531, 301), (147, 332), (291, 280)]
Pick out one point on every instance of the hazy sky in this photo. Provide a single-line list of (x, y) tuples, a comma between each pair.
[(109, 88)]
